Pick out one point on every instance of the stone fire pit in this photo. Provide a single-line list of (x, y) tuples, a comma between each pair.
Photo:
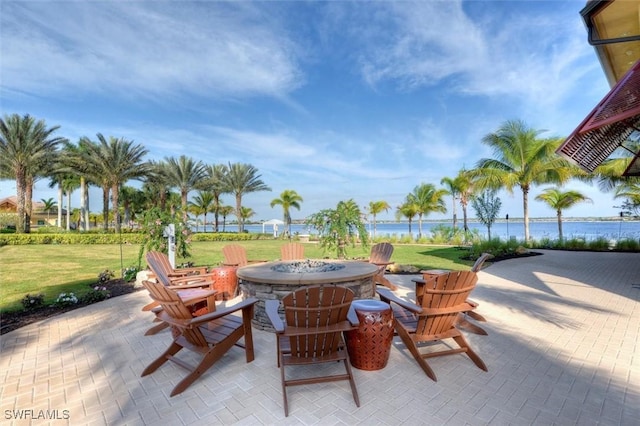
[(274, 280)]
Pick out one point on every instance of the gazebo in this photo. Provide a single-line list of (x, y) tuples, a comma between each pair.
[(274, 223)]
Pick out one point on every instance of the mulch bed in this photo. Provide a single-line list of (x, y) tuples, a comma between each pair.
[(14, 320)]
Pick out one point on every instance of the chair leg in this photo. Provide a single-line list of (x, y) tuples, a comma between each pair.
[(476, 316), (156, 329), (208, 360), (410, 344), (352, 382), (172, 350), (462, 342), (380, 279), (461, 323), (284, 386)]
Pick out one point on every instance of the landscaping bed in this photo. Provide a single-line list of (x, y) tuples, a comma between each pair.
[(13, 320)]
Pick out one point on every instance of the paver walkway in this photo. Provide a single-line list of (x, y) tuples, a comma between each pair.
[(563, 348)]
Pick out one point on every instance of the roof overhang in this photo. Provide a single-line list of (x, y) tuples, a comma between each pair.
[(614, 30), (612, 122)]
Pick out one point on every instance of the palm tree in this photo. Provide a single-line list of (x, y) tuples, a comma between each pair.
[(25, 146), (561, 200), (215, 185), (202, 204), (288, 199), (453, 188), (375, 208), (49, 204), (408, 210), (245, 213), (156, 187), (428, 199), (185, 174), (242, 179), (224, 212), (466, 189), (521, 159), (116, 161)]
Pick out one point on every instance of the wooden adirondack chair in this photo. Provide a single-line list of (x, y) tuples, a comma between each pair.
[(211, 335), (443, 300), (292, 251), (381, 257), (162, 261), (311, 333), (236, 255), (462, 321), (195, 290)]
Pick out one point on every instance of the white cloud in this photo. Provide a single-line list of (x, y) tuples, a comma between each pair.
[(207, 49)]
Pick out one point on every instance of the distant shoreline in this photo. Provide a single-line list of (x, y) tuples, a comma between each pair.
[(499, 220)]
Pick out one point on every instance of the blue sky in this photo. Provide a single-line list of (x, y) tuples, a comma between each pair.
[(334, 100)]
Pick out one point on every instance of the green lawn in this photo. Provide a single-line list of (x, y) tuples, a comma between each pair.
[(54, 269)]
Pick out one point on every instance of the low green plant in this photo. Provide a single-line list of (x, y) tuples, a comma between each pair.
[(628, 245), (105, 276), (96, 294), (66, 299), (129, 274), (32, 302)]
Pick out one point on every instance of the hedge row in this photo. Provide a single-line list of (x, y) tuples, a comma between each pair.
[(127, 238)]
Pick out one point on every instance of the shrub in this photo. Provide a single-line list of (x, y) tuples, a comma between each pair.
[(129, 274), (96, 294), (66, 299), (105, 276), (32, 301)]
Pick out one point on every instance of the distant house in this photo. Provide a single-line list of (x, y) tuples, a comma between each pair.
[(39, 217)]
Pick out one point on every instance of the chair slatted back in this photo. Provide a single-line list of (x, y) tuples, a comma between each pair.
[(292, 251), (235, 254), (312, 307), (156, 262), (381, 253), (174, 307), (442, 292)]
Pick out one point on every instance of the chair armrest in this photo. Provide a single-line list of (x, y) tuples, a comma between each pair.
[(353, 317), (310, 331), (382, 263), (191, 296), (463, 307), (203, 285), (388, 297), (248, 303), (271, 308), (181, 272)]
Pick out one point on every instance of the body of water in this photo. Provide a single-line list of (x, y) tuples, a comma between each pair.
[(587, 230)]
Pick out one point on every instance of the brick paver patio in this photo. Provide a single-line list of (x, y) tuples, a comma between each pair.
[(562, 349)]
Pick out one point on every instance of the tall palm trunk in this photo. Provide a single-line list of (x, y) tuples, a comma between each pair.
[(60, 195), (83, 207), (116, 208), (238, 215), (68, 210), (86, 205), (105, 208), (28, 205), (525, 207), (560, 224)]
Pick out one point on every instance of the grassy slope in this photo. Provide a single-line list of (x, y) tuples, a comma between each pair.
[(54, 269)]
